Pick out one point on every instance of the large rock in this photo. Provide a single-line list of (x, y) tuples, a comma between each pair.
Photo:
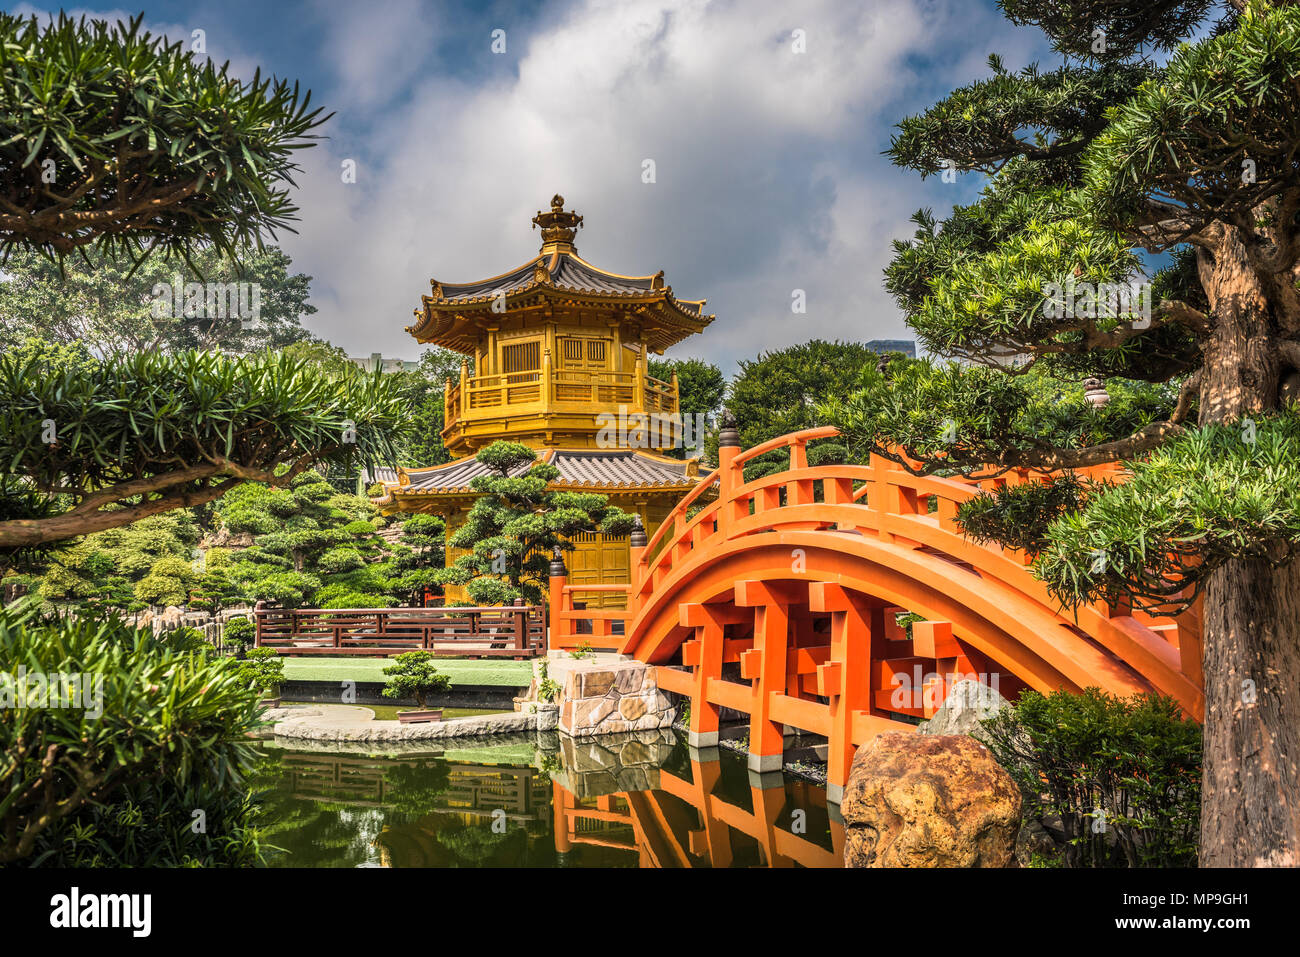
[(968, 703), (916, 800)]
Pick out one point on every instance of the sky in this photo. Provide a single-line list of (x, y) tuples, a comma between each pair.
[(735, 144)]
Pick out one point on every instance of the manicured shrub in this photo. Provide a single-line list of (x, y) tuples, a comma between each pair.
[(240, 631), (1123, 774), (338, 560), (262, 670), (413, 675), (112, 774)]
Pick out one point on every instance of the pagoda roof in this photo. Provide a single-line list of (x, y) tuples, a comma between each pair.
[(556, 275), (595, 470)]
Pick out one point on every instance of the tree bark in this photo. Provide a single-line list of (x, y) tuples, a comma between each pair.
[(1250, 802)]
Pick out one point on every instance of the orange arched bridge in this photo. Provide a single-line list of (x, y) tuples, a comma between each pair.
[(780, 599)]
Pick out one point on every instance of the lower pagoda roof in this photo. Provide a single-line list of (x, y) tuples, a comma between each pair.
[(594, 470)]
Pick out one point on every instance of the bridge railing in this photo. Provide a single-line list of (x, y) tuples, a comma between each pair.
[(517, 631), (881, 499), (885, 499), (572, 625)]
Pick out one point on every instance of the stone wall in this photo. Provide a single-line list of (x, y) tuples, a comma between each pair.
[(613, 697)]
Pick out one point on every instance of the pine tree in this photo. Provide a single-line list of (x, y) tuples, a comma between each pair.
[(1134, 144), (517, 522)]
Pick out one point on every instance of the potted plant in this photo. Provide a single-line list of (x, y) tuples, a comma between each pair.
[(413, 675), (264, 670)]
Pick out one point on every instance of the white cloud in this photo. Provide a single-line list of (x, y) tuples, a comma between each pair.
[(769, 173)]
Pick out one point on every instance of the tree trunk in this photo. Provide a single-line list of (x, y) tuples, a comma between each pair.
[(1250, 812), (1250, 802)]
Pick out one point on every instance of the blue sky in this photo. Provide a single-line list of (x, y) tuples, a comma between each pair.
[(768, 168)]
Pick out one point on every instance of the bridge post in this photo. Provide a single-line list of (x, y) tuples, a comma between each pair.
[(559, 577), (765, 665), (637, 542), (705, 655), (845, 677), (728, 449), (257, 621)]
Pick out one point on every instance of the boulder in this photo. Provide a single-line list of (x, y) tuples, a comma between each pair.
[(915, 800), (968, 703)]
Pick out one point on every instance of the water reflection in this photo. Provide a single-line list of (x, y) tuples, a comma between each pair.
[(635, 800)]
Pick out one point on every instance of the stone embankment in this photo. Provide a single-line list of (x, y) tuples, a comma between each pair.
[(334, 722)]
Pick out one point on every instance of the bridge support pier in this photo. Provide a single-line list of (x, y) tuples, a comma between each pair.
[(704, 654), (765, 666)]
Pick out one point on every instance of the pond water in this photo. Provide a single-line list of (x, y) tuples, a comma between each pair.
[(539, 800)]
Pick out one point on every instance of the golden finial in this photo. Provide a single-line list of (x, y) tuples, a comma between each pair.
[(558, 226)]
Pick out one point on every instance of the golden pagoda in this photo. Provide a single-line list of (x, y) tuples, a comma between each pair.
[(560, 352)]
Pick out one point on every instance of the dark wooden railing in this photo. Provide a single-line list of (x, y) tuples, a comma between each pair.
[(517, 631)]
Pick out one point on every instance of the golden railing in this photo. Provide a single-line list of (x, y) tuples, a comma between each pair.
[(561, 390)]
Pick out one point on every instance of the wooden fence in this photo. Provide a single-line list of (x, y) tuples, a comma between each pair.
[(517, 631)]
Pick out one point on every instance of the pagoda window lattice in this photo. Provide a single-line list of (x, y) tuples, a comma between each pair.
[(582, 353), (521, 361)]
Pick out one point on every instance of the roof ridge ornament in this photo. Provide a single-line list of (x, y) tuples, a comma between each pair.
[(559, 226)]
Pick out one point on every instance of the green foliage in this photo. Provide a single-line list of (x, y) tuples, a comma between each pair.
[(338, 596), (239, 630), (1130, 25), (1124, 776), (317, 547), (168, 731), (1214, 494), (424, 396), (107, 569), (517, 522), (113, 304), (177, 430), (262, 669), (152, 824), (963, 417), (700, 389), (152, 147), (782, 391), (547, 687), (1089, 167), (413, 675), (1020, 516), (1186, 135)]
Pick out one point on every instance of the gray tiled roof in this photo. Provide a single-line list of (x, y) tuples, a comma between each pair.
[(614, 468), (382, 474), (567, 271)]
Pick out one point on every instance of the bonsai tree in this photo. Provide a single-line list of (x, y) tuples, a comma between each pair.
[(514, 526), (312, 545), (420, 555), (1040, 284), (413, 675), (263, 670), (240, 631)]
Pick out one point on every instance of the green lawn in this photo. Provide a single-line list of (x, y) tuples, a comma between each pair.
[(463, 671)]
